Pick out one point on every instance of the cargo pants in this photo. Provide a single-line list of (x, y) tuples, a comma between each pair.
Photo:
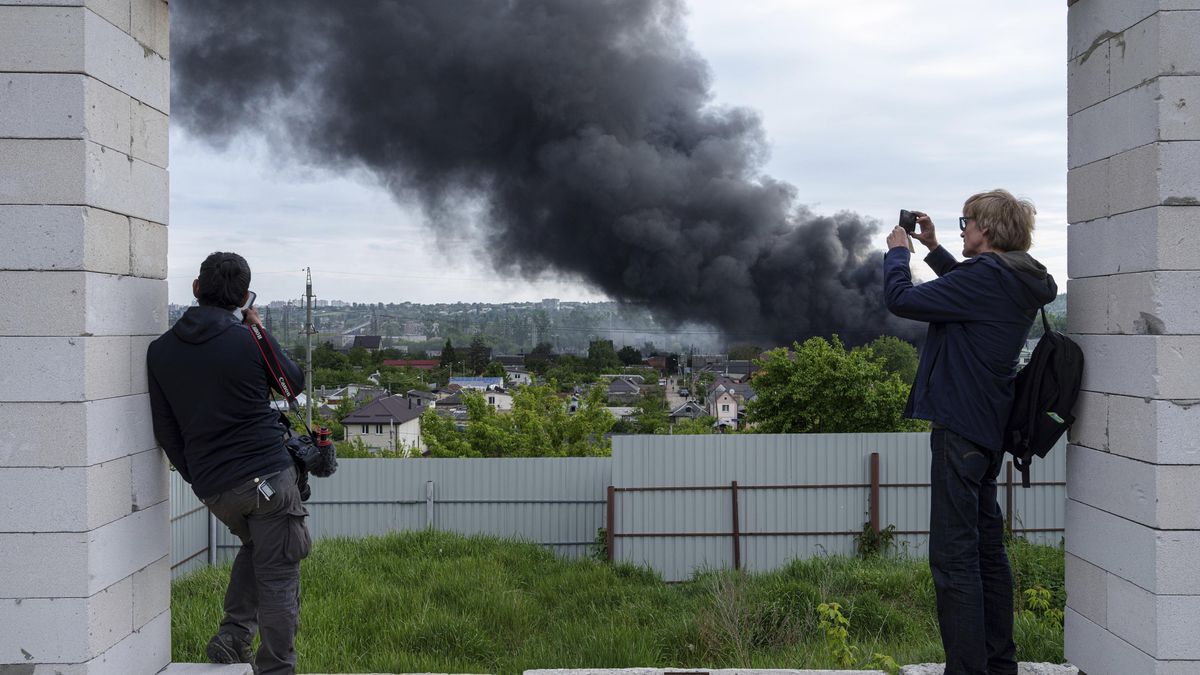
[(264, 587)]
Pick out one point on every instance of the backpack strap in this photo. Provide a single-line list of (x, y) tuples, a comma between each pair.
[(1045, 322), (1023, 465)]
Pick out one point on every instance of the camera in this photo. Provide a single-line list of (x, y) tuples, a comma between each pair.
[(908, 220), (318, 457)]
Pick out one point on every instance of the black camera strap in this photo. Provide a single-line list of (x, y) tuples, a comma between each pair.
[(275, 370)]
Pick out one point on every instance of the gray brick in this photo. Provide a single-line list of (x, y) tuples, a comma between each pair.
[(43, 565), (41, 105), (1091, 420), (117, 59), (149, 483), (1095, 650), (1087, 589), (1177, 42), (64, 238), (1087, 79), (86, 304), (41, 171), (1179, 172), (147, 249), (1090, 27), (109, 617), (1161, 561), (1132, 615), (1133, 178), (48, 630), (1125, 121), (41, 39), (116, 12), (147, 650), (117, 550), (1138, 241), (65, 499), (149, 136), (1162, 497), (151, 25), (1088, 304), (151, 591), (1155, 302), (107, 113), (1142, 365), (138, 344), (1087, 192), (1158, 431), (1178, 116)]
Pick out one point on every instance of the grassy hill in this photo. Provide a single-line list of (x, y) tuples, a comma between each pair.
[(438, 602)]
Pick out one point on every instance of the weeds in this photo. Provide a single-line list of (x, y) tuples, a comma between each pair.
[(436, 602)]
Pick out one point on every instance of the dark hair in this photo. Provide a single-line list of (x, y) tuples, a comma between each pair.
[(224, 279)]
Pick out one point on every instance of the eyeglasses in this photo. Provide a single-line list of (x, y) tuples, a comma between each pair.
[(962, 222)]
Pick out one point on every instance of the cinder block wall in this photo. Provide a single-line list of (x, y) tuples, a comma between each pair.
[(84, 545), (1133, 466)]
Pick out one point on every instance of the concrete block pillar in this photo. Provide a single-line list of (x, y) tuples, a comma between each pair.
[(84, 539), (1133, 463)]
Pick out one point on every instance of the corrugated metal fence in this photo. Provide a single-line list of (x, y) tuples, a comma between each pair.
[(672, 504), (755, 501), (554, 502)]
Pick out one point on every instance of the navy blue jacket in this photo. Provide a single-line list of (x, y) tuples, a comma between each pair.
[(979, 313), (209, 400)]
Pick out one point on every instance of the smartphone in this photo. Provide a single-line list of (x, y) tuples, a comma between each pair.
[(240, 311)]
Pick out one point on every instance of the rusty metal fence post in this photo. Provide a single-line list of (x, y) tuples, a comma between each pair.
[(875, 492), (610, 524), (737, 537)]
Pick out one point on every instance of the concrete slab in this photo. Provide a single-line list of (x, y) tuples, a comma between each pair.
[(206, 669), (697, 671), (1024, 669)]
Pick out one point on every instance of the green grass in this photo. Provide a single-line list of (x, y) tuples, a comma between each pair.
[(438, 602)]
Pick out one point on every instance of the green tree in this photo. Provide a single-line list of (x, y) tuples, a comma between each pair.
[(325, 356), (449, 358), (744, 352), (359, 357), (898, 356), (537, 426), (540, 358), (478, 355), (494, 369), (823, 388), (629, 356), (700, 425), (651, 415), (602, 358)]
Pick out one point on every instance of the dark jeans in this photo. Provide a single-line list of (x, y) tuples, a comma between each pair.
[(264, 587), (970, 568)]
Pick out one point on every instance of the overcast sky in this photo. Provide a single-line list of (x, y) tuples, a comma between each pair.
[(868, 106)]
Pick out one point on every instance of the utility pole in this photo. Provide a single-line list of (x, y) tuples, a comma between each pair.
[(308, 333)]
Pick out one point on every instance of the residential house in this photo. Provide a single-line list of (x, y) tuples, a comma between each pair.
[(623, 390), (690, 410), (622, 413), (387, 422), (727, 401), (421, 399), (495, 397), (480, 383), (658, 363), (368, 342), (517, 376)]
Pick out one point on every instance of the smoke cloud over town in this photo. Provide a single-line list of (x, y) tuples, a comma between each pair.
[(573, 138)]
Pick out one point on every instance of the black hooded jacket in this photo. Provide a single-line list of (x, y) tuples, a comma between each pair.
[(979, 313), (209, 397)]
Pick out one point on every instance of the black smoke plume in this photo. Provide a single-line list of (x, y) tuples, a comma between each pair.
[(585, 129)]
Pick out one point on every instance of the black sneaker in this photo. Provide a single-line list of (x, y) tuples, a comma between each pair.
[(224, 649)]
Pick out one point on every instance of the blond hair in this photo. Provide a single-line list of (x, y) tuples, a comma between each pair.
[(1008, 220)]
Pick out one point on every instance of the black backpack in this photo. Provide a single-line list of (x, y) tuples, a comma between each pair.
[(1045, 393)]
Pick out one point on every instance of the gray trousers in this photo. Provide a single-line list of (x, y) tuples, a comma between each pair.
[(264, 587)]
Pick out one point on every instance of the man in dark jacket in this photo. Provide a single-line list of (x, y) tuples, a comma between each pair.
[(209, 396), (979, 313)]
